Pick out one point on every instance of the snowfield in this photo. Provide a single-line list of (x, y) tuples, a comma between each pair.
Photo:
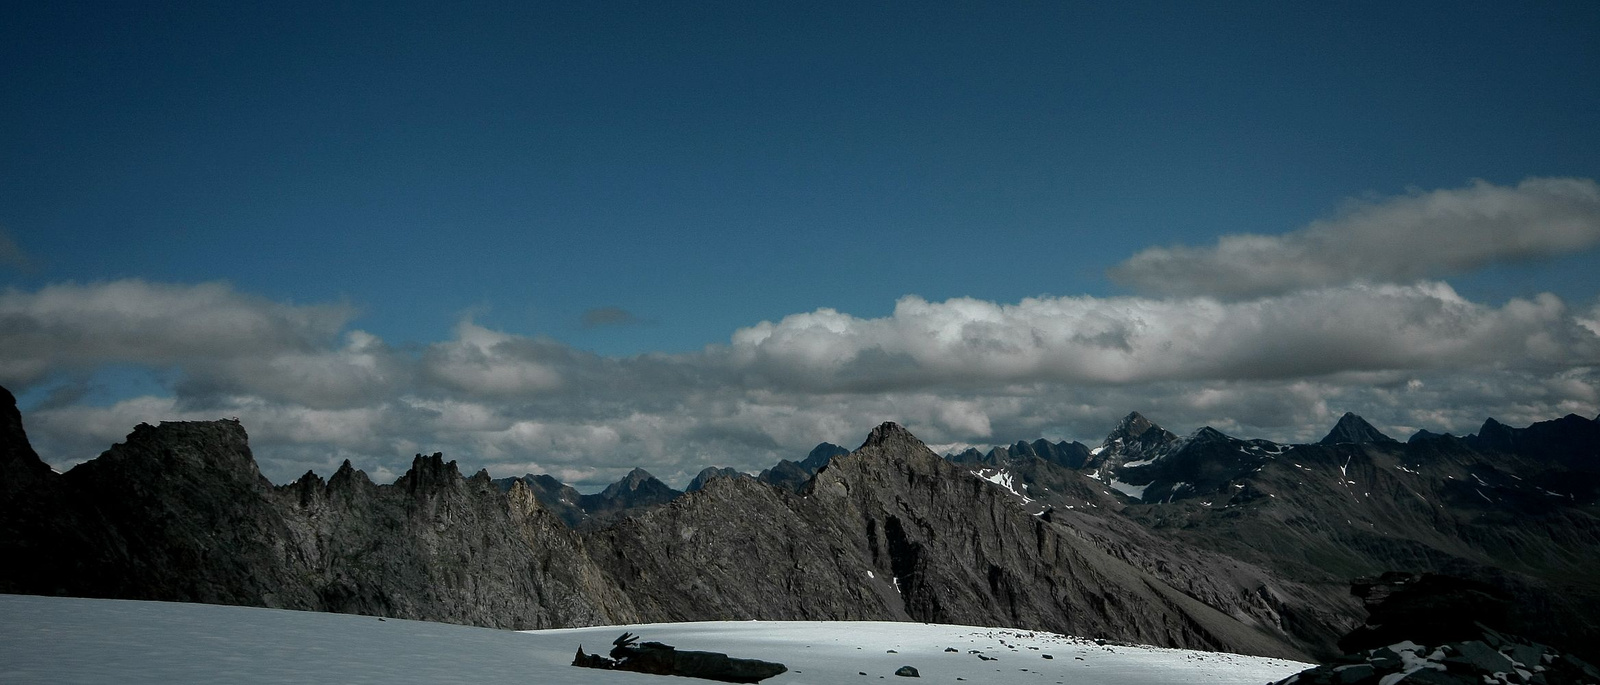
[(65, 640)]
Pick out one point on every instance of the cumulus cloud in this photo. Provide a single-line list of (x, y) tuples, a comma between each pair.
[(1396, 240), (972, 343), (961, 371)]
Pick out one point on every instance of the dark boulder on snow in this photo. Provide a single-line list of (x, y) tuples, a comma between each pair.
[(655, 658)]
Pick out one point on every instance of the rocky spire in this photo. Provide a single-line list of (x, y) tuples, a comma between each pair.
[(1354, 429)]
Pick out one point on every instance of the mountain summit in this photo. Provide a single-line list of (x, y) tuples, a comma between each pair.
[(1134, 439), (1354, 429)]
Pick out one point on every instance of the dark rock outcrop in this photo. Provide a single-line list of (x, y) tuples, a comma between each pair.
[(1486, 656), (1425, 608)]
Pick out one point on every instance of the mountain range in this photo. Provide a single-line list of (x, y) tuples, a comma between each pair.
[(1201, 541)]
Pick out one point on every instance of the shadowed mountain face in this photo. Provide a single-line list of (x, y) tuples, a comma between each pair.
[(1353, 429), (1524, 521), (1238, 545), (793, 476)]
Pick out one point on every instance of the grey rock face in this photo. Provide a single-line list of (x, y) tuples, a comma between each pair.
[(179, 512), (437, 546)]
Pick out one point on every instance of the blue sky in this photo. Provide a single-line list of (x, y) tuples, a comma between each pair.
[(683, 172)]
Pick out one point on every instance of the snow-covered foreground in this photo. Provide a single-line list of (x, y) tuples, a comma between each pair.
[(60, 640)]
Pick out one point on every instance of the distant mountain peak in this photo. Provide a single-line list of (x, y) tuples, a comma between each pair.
[(1133, 425), (821, 455), (629, 483), (1135, 428), (1354, 429), (711, 473)]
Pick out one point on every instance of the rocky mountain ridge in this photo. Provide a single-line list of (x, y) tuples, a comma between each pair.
[(1234, 544)]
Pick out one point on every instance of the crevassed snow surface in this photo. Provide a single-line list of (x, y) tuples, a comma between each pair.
[(64, 640)]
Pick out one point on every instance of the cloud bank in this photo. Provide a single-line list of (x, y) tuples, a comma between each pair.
[(313, 392), (1397, 240)]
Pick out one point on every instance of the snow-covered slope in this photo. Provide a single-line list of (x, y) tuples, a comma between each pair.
[(63, 640)]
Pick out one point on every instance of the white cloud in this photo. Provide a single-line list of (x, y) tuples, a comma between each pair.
[(133, 321), (971, 343), (1397, 240)]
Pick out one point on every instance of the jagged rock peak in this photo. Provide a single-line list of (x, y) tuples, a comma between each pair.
[(889, 434), (346, 477), (1135, 428), (1354, 429), (431, 469)]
